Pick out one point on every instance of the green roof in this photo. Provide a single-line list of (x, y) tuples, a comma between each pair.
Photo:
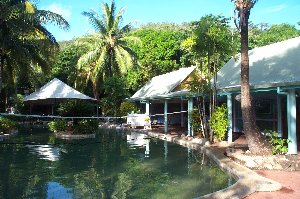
[(163, 86), (270, 66)]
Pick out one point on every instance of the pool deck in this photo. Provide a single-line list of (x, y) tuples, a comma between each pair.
[(251, 184)]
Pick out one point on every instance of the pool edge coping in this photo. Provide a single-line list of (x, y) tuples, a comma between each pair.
[(248, 181)]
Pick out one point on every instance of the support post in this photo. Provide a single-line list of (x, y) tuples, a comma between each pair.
[(166, 116), (181, 114), (291, 115), (279, 116), (190, 108), (147, 108), (229, 115)]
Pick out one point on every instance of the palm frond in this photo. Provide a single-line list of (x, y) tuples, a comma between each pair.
[(100, 64), (45, 16), (85, 60), (124, 59), (118, 19), (95, 20)]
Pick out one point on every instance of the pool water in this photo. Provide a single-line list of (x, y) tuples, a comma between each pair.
[(116, 164)]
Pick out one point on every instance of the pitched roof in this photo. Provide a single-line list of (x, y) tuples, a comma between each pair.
[(162, 86), (55, 90), (270, 66)]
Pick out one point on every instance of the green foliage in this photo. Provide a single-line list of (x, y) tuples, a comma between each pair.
[(280, 145), (212, 41), (26, 45), (86, 126), (127, 107), (89, 184), (19, 104), (196, 122), (108, 52), (276, 33), (122, 186), (7, 125), (83, 126), (219, 122), (199, 84), (76, 108), (59, 125), (65, 67), (160, 51), (115, 92)]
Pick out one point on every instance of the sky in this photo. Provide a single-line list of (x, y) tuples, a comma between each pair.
[(158, 11)]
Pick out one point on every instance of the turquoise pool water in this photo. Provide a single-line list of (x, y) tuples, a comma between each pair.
[(116, 165)]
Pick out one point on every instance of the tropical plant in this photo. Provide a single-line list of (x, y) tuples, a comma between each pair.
[(59, 125), (86, 126), (19, 104), (212, 43), (127, 107), (200, 85), (280, 145), (114, 93), (219, 122), (197, 123), (7, 125), (26, 45), (273, 34), (160, 52), (64, 67), (256, 141), (76, 108), (109, 53)]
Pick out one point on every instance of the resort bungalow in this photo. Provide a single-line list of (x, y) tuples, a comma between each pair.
[(169, 98), (275, 88)]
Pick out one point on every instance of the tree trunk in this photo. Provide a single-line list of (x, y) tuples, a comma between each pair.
[(1, 70), (256, 141)]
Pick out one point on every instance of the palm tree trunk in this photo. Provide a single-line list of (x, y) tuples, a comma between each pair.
[(256, 141), (1, 70)]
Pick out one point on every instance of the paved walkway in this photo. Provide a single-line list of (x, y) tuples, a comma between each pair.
[(290, 182)]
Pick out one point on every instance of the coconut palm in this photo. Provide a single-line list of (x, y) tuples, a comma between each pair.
[(25, 42), (109, 52), (256, 141)]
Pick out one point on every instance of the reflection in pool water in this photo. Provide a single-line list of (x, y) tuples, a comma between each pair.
[(46, 151), (135, 139), (114, 165)]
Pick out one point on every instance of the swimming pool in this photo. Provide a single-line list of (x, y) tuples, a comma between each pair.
[(115, 164)]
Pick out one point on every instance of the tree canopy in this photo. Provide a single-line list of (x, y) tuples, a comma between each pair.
[(109, 52)]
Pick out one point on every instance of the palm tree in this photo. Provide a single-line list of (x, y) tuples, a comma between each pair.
[(256, 141), (109, 52), (25, 43)]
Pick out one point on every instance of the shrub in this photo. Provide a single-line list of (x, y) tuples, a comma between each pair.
[(59, 125), (280, 145), (127, 107), (19, 104), (196, 122), (76, 108), (6, 124), (219, 122), (86, 126)]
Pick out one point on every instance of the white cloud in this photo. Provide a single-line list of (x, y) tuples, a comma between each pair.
[(66, 12), (276, 8)]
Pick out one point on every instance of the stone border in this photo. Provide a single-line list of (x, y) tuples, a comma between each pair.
[(8, 135), (248, 181), (64, 135)]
